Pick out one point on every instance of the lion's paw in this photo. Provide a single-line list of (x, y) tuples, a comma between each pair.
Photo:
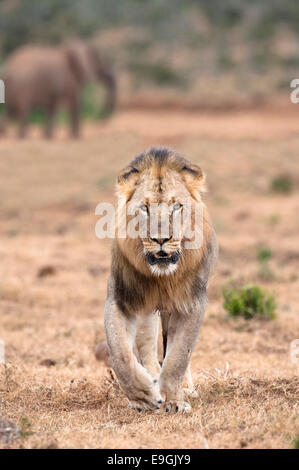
[(144, 406), (177, 407), (145, 395)]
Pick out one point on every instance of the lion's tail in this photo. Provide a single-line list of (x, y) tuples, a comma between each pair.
[(101, 353)]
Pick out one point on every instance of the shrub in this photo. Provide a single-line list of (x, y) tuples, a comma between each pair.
[(296, 442), (249, 302), (264, 254), (282, 184)]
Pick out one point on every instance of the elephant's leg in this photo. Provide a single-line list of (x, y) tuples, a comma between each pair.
[(182, 334), (139, 386), (3, 124), (23, 119), (50, 120), (74, 109), (147, 343)]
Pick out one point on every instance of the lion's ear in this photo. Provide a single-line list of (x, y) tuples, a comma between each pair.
[(195, 180), (126, 181)]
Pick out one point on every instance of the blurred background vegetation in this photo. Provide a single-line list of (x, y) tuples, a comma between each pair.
[(210, 51)]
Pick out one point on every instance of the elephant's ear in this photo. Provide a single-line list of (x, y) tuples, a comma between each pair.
[(77, 57)]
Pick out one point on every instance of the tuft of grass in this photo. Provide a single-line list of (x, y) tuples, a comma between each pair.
[(25, 428), (282, 184), (249, 302), (296, 442), (264, 254)]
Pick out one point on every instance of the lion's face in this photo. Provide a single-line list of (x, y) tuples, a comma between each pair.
[(159, 203), (160, 194)]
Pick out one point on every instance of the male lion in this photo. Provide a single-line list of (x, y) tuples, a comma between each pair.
[(154, 274)]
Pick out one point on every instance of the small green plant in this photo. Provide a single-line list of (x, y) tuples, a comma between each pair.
[(264, 255), (296, 442), (249, 302), (282, 184), (25, 427)]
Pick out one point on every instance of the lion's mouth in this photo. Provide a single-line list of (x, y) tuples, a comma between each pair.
[(162, 258)]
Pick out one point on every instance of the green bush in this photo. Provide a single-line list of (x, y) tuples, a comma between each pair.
[(249, 302), (282, 184), (296, 442), (264, 254)]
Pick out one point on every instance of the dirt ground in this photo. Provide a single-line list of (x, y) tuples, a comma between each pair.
[(53, 275)]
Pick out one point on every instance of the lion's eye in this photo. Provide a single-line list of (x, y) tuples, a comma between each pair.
[(177, 206), (144, 208)]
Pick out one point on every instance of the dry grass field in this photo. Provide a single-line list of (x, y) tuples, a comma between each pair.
[(53, 274)]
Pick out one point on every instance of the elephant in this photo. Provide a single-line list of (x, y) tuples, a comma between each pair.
[(45, 77)]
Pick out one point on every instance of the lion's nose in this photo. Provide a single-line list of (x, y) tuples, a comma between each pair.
[(161, 240)]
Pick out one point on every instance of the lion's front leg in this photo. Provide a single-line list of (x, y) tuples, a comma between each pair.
[(182, 334), (147, 343), (139, 386)]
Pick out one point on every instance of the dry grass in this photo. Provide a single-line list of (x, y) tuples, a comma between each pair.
[(53, 276)]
